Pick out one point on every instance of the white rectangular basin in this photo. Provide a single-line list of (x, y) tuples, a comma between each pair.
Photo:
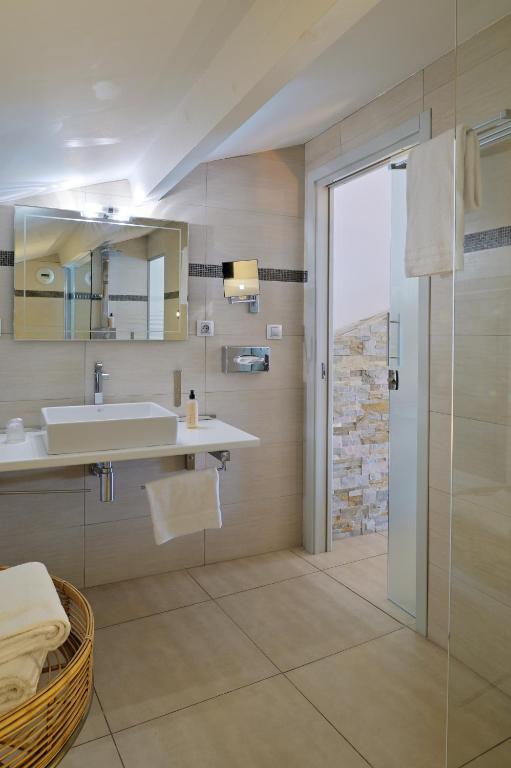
[(82, 428)]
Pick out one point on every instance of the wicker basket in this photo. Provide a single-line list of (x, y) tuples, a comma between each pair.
[(39, 732)]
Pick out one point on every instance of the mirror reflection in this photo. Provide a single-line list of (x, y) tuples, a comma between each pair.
[(80, 279)]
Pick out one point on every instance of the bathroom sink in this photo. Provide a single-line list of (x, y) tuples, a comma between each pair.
[(80, 428)]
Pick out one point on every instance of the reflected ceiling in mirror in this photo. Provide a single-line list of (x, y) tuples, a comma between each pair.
[(78, 278)]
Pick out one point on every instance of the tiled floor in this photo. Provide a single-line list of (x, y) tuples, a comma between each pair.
[(267, 662)]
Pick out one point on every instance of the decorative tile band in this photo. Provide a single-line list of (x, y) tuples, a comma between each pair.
[(127, 297), (490, 238), (6, 258), (265, 273), (171, 295), (39, 294)]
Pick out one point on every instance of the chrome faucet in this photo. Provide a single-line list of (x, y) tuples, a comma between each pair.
[(99, 375)]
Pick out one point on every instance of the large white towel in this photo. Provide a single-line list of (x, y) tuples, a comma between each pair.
[(31, 614), (19, 679), (184, 502), (432, 174)]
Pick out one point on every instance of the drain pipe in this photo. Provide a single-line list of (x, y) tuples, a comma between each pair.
[(105, 472)]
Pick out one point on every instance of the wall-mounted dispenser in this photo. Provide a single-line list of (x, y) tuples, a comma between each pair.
[(245, 359), (241, 283)]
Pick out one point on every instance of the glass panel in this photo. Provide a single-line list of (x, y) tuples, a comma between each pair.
[(479, 703)]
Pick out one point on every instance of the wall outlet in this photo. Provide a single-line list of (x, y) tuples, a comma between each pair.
[(205, 328), (273, 331)]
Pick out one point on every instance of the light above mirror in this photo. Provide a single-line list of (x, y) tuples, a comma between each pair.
[(81, 277)]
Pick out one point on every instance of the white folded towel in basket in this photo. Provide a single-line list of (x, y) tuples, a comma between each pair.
[(31, 615), (19, 679), (185, 502)]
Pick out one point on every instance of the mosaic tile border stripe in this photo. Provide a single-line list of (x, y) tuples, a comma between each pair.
[(6, 258), (265, 273), (490, 238)]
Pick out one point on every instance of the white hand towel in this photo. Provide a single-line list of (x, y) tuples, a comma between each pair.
[(431, 201), (19, 679), (31, 614), (183, 503)]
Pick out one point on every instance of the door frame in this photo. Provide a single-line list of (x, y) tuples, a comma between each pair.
[(317, 309)]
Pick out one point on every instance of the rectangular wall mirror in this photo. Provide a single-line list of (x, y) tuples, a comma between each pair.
[(80, 278)]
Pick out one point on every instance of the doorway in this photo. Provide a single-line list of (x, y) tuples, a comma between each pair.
[(378, 401)]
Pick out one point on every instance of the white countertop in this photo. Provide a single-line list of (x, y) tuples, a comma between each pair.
[(210, 435)]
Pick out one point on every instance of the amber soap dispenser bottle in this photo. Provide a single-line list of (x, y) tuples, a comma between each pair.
[(192, 411)]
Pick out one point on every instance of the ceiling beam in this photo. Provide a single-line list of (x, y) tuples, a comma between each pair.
[(275, 40)]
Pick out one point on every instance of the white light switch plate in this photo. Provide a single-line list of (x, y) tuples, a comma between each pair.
[(273, 331), (205, 328)]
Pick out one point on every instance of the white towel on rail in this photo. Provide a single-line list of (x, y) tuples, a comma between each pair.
[(31, 615), (183, 503), (431, 202), (19, 679)]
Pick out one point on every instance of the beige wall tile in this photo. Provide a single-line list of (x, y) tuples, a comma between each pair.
[(439, 528), (440, 451), (485, 45), (392, 108), (324, 147), (481, 463), (275, 416), (34, 370), (130, 497), (481, 540), (275, 241), (268, 718), (62, 479), (440, 374), (6, 298), (30, 410), (440, 72), (270, 182), (483, 294), (22, 512), (136, 368), (484, 88), (269, 471), (255, 526), (286, 364), (438, 605), (441, 305), (279, 303), (125, 549), (441, 101), (495, 758), (60, 549)]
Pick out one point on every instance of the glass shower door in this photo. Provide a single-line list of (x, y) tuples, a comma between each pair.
[(479, 700)]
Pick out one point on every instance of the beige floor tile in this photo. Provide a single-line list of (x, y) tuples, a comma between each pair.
[(95, 726), (368, 578), (96, 754), (135, 598), (348, 550), (153, 666), (297, 621), (267, 725), (499, 757), (387, 697), (226, 578)]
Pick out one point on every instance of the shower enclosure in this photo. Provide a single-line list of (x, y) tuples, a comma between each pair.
[(478, 492)]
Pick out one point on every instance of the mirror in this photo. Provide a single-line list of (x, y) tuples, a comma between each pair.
[(81, 278), (241, 279)]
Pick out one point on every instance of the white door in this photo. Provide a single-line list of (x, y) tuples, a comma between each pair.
[(408, 420)]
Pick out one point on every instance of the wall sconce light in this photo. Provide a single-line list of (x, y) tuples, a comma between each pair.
[(241, 283)]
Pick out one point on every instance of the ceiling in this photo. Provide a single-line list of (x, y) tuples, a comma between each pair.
[(145, 91)]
